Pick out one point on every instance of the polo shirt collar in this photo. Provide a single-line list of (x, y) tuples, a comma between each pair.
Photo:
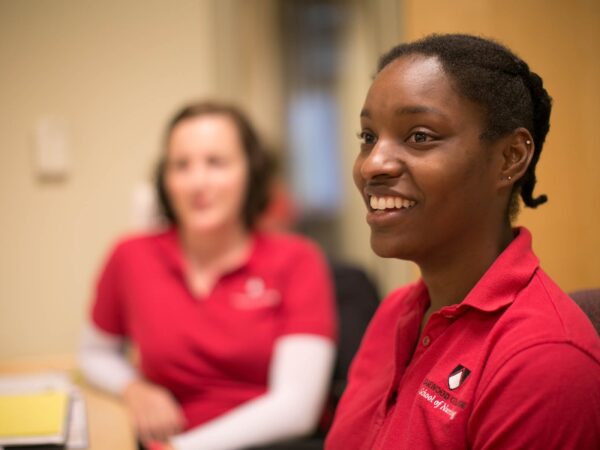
[(168, 245), (507, 275), (171, 251)]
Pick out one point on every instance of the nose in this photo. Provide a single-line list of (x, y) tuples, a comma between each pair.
[(197, 175), (383, 161)]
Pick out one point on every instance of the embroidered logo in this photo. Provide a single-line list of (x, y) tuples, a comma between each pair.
[(256, 295), (458, 376)]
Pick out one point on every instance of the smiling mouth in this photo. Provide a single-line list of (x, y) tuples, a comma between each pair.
[(390, 203)]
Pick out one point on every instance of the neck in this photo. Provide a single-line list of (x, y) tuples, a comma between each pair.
[(451, 276)]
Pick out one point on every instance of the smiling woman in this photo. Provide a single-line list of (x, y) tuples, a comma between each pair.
[(468, 356)]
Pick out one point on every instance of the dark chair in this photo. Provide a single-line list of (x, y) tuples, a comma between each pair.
[(357, 299), (589, 301)]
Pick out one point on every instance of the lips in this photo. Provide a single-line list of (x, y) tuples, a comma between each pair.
[(199, 202)]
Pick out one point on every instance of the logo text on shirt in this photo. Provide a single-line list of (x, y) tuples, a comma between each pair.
[(440, 399)]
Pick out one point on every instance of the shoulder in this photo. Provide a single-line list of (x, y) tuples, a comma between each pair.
[(139, 244), (571, 320), (554, 385), (542, 326), (542, 313), (547, 366)]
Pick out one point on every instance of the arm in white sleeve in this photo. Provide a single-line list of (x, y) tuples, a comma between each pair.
[(103, 361), (299, 377)]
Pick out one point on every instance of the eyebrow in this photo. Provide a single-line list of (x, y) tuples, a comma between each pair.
[(409, 110), (418, 110)]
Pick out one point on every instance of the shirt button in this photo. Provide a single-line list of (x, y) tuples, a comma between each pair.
[(426, 341)]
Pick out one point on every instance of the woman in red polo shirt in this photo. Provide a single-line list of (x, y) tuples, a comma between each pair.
[(234, 328), (484, 351)]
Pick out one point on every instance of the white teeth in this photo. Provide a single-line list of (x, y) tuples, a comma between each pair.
[(373, 202), (382, 203)]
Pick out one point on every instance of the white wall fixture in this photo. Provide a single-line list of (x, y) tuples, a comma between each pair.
[(51, 152), (145, 213)]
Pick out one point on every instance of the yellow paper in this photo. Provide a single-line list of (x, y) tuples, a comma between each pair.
[(41, 414)]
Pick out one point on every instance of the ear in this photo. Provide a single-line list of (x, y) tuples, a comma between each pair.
[(516, 156)]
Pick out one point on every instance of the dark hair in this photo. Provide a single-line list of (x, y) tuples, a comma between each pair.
[(260, 163), (492, 76)]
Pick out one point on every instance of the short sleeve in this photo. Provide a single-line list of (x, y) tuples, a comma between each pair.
[(546, 397), (108, 309), (308, 299)]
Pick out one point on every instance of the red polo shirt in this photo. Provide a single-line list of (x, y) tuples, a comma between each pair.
[(515, 365), (213, 353)]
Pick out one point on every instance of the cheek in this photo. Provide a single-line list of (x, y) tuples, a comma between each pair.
[(174, 185), (434, 177), (235, 183), (458, 183)]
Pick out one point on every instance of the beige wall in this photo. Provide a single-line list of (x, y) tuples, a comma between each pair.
[(560, 40), (114, 71)]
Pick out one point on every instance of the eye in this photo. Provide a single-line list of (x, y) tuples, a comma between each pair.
[(179, 164), (367, 138), (216, 161), (420, 137)]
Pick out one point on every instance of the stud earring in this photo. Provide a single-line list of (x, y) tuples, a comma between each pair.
[(528, 142), (509, 178)]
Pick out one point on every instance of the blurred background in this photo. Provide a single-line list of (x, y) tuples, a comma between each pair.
[(87, 87)]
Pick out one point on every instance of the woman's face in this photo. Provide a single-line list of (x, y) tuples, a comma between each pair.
[(206, 173), (426, 177)]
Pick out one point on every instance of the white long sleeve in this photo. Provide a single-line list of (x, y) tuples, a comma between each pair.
[(298, 383), (103, 362)]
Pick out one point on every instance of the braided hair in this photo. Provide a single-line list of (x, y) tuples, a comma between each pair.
[(492, 76)]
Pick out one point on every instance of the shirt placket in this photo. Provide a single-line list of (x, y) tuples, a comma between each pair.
[(406, 335), (434, 328)]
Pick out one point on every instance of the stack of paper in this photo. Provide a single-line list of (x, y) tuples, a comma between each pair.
[(41, 410)]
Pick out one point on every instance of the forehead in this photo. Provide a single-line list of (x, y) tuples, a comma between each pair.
[(417, 83), (206, 124), (207, 130)]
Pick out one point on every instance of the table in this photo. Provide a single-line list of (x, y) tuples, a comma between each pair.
[(108, 424)]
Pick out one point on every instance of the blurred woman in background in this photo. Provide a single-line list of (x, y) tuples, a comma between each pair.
[(234, 328)]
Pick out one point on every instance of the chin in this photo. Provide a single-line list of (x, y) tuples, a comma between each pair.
[(389, 246), (203, 226)]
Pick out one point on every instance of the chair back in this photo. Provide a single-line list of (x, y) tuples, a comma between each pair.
[(589, 301), (357, 300)]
